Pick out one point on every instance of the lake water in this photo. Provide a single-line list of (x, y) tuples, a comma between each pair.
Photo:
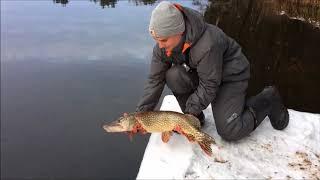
[(69, 66)]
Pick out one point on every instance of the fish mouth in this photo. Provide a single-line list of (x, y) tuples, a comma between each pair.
[(113, 127)]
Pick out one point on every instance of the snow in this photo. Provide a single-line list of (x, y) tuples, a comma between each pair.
[(293, 153)]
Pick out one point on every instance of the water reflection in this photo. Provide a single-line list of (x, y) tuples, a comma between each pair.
[(281, 40), (143, 2), (110, 3), (63, 2)]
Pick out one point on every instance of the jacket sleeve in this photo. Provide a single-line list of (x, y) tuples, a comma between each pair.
[(155, 83), (210, 73)]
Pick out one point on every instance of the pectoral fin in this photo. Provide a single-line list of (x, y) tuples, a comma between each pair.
[(130, 134), (165, 136)]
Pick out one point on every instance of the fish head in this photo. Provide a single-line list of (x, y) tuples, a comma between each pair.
[(123, 124)]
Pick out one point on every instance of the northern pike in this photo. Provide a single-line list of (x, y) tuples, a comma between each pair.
[(164, 122)]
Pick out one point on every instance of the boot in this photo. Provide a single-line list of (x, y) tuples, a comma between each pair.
[(279, 116), (268, 103)]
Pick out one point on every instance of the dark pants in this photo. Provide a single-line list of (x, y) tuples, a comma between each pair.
[(232, 118)]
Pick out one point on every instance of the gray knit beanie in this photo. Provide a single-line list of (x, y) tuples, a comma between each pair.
[(166, 20)]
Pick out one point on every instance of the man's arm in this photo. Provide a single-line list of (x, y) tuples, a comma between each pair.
[(210, 73), (155, 83)]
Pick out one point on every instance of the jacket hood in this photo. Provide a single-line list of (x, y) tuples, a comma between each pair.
[(194, 22)]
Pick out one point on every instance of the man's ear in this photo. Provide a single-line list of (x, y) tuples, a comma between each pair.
[(153, 33)]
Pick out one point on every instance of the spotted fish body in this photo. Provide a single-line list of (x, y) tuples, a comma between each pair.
[(160, 121), (166, 122)]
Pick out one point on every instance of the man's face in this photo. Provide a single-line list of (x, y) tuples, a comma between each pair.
[(168, 42)]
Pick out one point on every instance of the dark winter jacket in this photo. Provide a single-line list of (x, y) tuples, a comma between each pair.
[(216, 57)]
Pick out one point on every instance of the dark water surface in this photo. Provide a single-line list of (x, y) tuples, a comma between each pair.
[(281, 39), (68, 66)]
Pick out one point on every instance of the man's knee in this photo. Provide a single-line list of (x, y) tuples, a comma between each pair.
[(178, 80), (227, 127), (172, 75), (228, 135), (235, 127)]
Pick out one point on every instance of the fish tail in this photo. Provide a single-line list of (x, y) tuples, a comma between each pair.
[(205, 144), (209, 139)]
